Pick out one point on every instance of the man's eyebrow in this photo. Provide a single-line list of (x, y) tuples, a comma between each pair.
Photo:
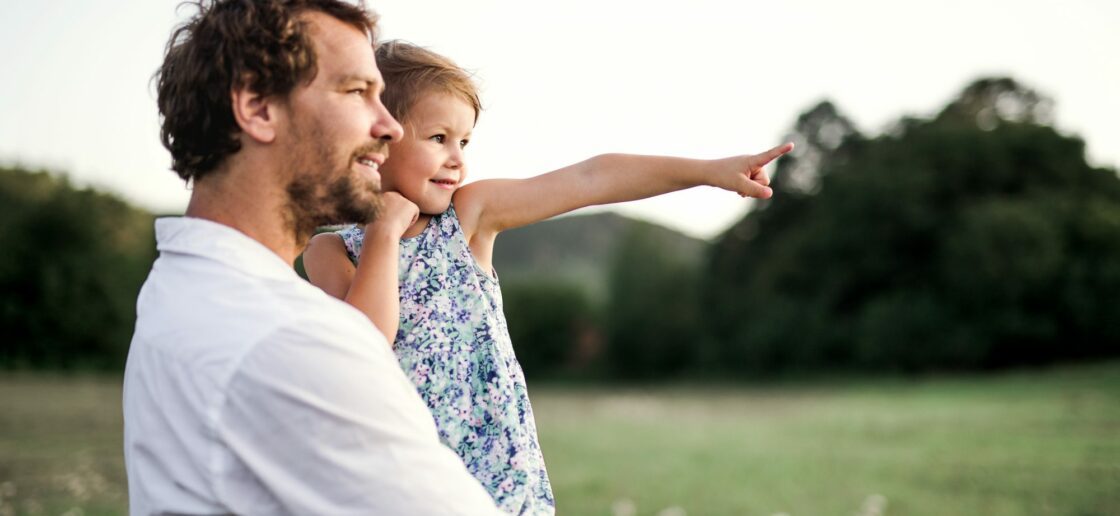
[(369, 81)]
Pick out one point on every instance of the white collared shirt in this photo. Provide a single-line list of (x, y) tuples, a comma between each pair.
[(249, 391)]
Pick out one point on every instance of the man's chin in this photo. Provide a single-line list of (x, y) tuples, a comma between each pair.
[(364, 179), (360, 210)]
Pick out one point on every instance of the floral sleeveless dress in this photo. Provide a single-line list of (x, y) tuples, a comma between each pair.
[(454, 345)]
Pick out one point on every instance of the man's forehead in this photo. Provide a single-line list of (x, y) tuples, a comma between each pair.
[(343, 52), (324, 25)]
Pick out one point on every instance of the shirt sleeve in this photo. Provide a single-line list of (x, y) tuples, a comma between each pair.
[(338, 429)]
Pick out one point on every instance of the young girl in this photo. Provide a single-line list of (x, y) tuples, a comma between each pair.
[(423, 269)]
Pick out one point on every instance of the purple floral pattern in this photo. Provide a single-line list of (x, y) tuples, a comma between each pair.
[(454, 345)]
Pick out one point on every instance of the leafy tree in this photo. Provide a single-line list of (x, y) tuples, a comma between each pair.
[(979, 238), (818, 134), (72, 265)]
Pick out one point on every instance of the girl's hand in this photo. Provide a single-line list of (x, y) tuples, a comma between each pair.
[(397, 215), (744, 174)]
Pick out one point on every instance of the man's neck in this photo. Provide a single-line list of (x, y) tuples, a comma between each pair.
[(243, 201)]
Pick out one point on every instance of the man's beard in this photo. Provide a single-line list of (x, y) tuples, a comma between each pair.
[(319, 195)]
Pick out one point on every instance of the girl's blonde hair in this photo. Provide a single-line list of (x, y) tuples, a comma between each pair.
[(411, 71)]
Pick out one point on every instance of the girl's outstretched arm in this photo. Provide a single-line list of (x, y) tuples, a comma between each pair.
[(371, 286), (491, 206)]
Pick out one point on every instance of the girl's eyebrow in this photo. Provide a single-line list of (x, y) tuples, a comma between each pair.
[(442, 127)]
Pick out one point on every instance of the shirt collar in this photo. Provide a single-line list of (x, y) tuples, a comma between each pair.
[(208, 239)]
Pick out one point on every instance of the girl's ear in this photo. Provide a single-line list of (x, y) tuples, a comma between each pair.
[(258, 116)]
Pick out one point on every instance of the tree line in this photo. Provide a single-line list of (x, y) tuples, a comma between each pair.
[(974, 239), (72, 263)]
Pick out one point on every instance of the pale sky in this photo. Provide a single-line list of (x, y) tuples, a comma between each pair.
[(563, 81)]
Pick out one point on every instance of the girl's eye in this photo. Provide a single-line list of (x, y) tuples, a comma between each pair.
[(463, 143), (438, 138), (359, 91)]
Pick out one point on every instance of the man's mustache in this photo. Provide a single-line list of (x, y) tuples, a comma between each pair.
[(377, 147)]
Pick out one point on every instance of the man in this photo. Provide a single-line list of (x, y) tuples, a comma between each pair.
[(247, 390)]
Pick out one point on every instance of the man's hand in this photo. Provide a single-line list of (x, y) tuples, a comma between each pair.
[(744, 174)]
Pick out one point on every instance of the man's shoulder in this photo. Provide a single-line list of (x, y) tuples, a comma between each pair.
[(324, 318), (222, 311)]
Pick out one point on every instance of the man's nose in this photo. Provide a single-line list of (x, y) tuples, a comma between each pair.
[(385, 127)]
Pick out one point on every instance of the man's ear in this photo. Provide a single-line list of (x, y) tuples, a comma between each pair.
[(255, 114)]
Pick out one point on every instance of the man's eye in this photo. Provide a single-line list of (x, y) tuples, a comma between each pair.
[(359, 91), (439, 138)]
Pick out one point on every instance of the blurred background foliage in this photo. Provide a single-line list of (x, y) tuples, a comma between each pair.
[(975, 239), (72, 263)]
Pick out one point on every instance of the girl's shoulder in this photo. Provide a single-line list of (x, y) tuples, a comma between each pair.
[(468, 205), (352, 239)]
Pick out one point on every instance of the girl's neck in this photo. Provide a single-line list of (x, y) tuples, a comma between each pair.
[(417, 227)]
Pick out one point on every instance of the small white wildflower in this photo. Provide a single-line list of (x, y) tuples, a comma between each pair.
[(623, 507), (873, 505)]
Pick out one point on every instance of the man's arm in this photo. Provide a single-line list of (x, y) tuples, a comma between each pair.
[(334, 427)]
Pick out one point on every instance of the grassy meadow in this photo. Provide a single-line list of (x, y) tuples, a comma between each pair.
[(1022, 443)]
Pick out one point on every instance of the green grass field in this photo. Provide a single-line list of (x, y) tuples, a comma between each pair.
[(1025, 443)]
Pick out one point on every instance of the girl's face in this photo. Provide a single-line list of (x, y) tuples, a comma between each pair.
[(427, 165)]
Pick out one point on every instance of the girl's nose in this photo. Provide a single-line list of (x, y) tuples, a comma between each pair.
[(455, 161)]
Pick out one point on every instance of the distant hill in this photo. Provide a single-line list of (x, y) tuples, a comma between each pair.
[(579, 249)]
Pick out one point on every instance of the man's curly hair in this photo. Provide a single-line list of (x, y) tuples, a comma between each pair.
[(263, 45)]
